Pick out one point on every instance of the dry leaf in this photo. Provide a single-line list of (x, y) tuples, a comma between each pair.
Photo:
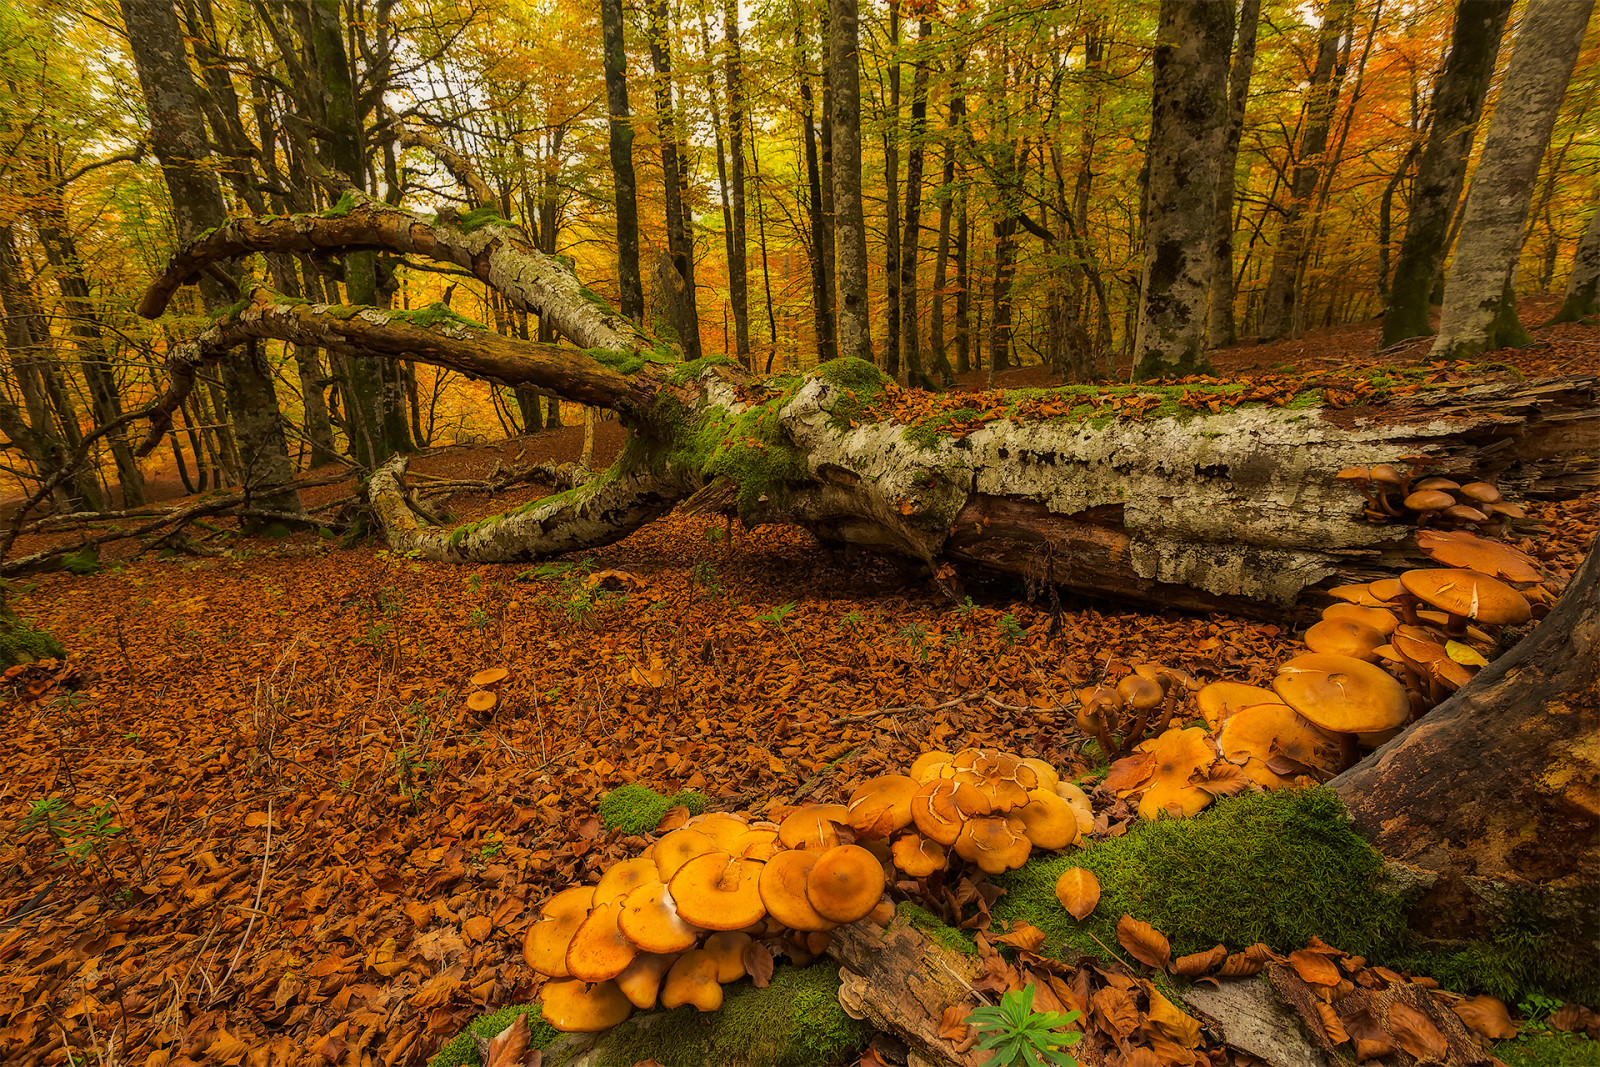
[(509, 1047), (1144, 942), (1115, 1013), (1198, 963), (1487, 1015), (1170, 1019), (1079, 892), (1022, 935), (758, 964), (953, 1023), (477, 928), (1415, 1033), (1331, 1024), (1314, 968)]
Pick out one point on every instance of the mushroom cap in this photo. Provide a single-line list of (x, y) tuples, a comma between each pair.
[(1048, 775), (1178, 752), (490, 676), (1387, 589), (756, 843), (1386, 474), (599, 950), (918, 856), (998, 775), (1437, 482), (1141, 693), (481, 701), (544, 946), (1256, 737), (1432, 658), (813, 826), (1219, 700), (641, 982), (1169, 678), (941, 806), (1353, 474), (1470, 594), (927, 765), (1078, 801), (1380, 619), (1429, 500), (1342, 694), (1464, 513), (1482, 492), (1049, 821), (722, 827), (727, 948), (718, 892), (845, 884), (1356, 594), (783, 891), (577, 1007), (882, 805), (1455, 548), (693, 980), (678, 848), (994, 844), (650, 919), (1344, 637), (622, 877)]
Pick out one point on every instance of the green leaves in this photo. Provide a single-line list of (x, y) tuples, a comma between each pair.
[(1017, 1036)]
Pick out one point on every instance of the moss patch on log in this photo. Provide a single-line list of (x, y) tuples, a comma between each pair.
[(21, 643), (1273, 867), (436, 314), (463, 1050), (938, 932), (635, 808)]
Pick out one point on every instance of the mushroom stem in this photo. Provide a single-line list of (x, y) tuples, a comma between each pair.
[(1455, 625)]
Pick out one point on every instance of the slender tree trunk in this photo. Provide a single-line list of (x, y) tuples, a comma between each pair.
[(821, 291), (1005, 264), (1583, 284), (761, 238), (620, 126), (1386, 214), (947, 202), (1457, 106), (1187, 126), (891, 201), (913, 234), (680, 242), (738, 267), (963, 287), (844, 64), (1480, 310), (1322, 98), (830, 220), (1221, 330)]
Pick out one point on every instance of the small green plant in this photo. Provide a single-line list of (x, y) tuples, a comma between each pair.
[(1536, 1007), (852, 622), (81, 834), (705, 575), (776, 616), (1010, 630), (1015, 1035), (914, 636)]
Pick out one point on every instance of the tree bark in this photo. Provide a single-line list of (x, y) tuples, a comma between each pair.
[(680, 242), (1492, 794), (909, 339), (1235, 511), (891, 202), (1583, 284), (1221, 330), (821, 291), (947, 200), (1457, 106), (738, 266), (624, 185), (1188, 119), (1480, 309), (1282, 295), (963, 321), (850, 227)]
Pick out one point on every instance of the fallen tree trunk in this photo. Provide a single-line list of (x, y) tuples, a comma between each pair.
[(1199, 505)]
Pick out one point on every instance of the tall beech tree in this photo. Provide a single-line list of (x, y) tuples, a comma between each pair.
[(1452, 125), (1187, 126), (620, 127), (1582, 300), (678, 274), (738, 266), (1480, 309), (850, 224), (178, 138), (1221, 330), (917, 144)]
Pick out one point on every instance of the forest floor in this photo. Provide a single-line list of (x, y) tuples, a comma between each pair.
[(309, 850)]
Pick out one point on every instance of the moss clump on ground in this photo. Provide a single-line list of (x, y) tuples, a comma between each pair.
[(21, 643), (1549, 1049), (1526, 956), (1273, 867), (636, 809), (937, 931), (463, 1051), (796, 1020)]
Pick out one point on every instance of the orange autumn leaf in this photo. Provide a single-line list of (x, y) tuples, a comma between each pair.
[(1198, 963), (1078, 890), (1331, 1024), (1022, 935), (1314, 968), (1415, 1033), (1144, 942), (953, 1023), (477, 928)]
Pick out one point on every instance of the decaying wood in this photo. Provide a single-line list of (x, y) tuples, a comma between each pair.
[(901, 982)]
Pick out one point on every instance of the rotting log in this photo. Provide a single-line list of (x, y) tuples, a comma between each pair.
[(1493, 797), (901, 981), (1237, 510)]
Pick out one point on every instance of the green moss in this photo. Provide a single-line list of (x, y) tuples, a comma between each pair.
[(343, 207), (21, 643), (85, 561), (343, 311), (460, 533), (436, 314), (463, 1051), (599, 302), (478, 218), (925, 433), (749, 449), (230, 311), (692, 369), (930, 924), (796, 1020), (1274, 867), (630, 362), (635, 808), (1549, 1049)]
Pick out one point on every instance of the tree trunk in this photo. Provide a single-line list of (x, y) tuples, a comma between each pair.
[(738, 267), (620, 126), (680, 242), (821, 292), (1220, 328), (1583, 284), (947, 202), (963, 281), (1282, 296), (909, 249), (844, 66), (891, 201), (1237, 511), (1491, 795), (1187, 124), (1480, 310), (1457, 106)]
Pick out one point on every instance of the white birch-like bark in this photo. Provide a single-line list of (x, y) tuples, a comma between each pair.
[(1480, 289)]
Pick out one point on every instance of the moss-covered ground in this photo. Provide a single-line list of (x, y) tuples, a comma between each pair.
[(21, 643), (1549, 1048), (462, 1051), (635, 808)]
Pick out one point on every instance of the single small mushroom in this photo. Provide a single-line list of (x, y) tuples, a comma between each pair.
[(622, 877), (1436, 483), (490, 676), (998, 775), (693, 980), (1048, 776), (641, 982), (678, 848), (1219, 701), (1078, 801), (993, 844), (717, 892), (919, 856), (1049, 820), (1467, 595), (1142, 696), (1463, 513), (845, 884), (783, 891), (544, 946), (727, 948), (481, 701), (1427, 501), (1357, 594), (1380, 619), (1481, 493), (1344, 637), (650, 919), (882, 805), (1343, 695), (1099, 712), (577, 1007)]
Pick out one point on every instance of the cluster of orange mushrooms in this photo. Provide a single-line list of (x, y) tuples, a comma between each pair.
[(1430, 626), (1436, 501), (708, 899)]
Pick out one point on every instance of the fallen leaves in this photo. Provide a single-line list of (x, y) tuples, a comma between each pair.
[(1144, 942), (1078, 890)]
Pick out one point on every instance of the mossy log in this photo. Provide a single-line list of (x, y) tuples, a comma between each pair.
[(1237, 510), (1494, 797)]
